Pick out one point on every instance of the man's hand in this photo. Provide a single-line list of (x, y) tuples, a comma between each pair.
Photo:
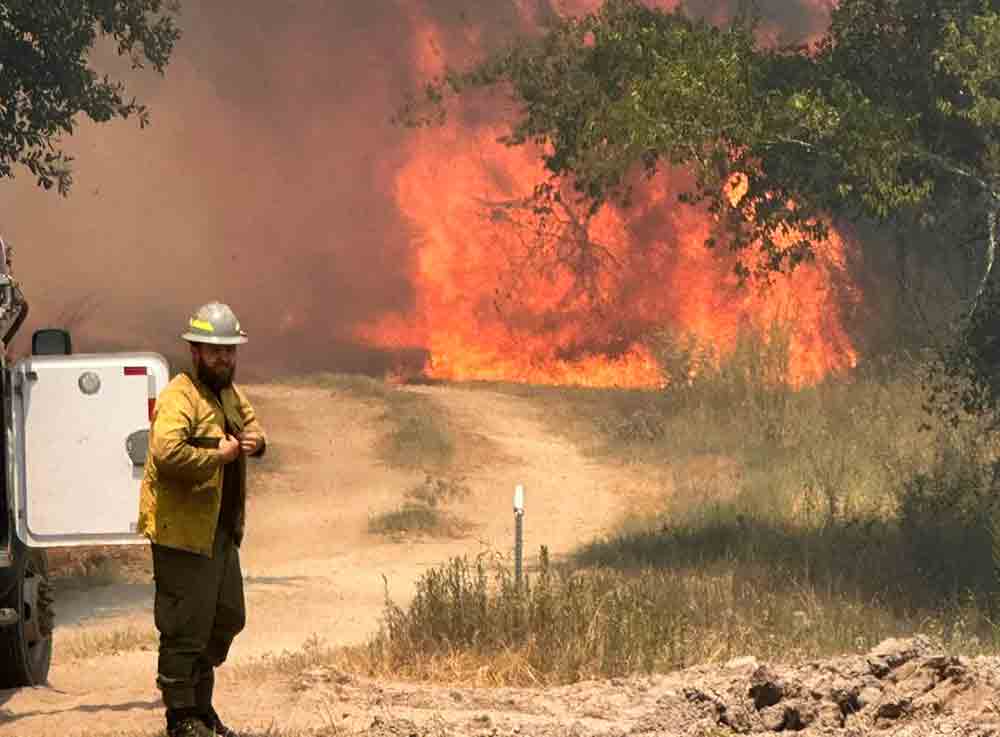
[(229, 449), (250, 442)]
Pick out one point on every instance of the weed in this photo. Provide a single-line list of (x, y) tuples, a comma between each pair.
[(435, 491), (84, 645), (314, 653), (423, 512), (413, 518)]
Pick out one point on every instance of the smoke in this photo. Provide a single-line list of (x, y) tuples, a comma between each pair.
[(265, 180)]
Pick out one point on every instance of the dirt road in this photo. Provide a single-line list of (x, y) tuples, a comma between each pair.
[(311, 567)]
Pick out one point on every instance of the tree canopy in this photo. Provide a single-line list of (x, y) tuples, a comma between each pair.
[(893, 114), (47, 79)]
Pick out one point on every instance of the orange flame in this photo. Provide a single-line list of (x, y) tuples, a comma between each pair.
[(503, 293)]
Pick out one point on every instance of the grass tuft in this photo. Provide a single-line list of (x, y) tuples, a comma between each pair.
[(416, 519), (423, 511), (85, 645)]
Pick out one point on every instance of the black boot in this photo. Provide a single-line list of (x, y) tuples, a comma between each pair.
[(186, 723), (203, 691), (211, 718)]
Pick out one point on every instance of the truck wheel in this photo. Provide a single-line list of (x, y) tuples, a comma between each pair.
[(26, 646)]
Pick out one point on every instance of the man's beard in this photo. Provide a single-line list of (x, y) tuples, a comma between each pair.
[(215, 379)]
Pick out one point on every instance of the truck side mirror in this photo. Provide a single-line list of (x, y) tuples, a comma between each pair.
[(51, 342)]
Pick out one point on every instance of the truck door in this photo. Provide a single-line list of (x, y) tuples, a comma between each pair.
[(79, 426)]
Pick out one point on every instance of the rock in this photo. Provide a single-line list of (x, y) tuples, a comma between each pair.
[(706, 699), (957, 670), (697, 696), (772, 718), (893, 708), (868, 696), (737, 718), (844, 695), (745, 662), (766, 689), (906, 671), (799, 715), (919, 683), (830, 715), (878, 667), (893, 652), (792, 717)]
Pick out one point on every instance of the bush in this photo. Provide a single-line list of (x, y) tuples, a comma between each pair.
[(947, 518), (561, 626)]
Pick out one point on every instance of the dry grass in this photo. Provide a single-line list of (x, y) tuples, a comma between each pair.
[(291, 664), (420, 434), (800, 524), (423, 511), (416, 519), (417, 432), (469, 624), (89, 567), (85, 645)]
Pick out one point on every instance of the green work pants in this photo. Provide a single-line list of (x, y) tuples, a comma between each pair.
[(199, 609)]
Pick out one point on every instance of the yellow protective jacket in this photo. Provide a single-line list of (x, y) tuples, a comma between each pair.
[(182, 484)]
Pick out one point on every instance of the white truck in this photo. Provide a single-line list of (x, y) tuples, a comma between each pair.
[(76, 432)]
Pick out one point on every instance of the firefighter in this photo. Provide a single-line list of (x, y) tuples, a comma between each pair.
[(192, 508)]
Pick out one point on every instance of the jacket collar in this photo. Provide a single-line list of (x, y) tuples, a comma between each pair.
[(221, 398)]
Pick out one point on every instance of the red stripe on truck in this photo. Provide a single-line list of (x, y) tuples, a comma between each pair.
[(135, 370)]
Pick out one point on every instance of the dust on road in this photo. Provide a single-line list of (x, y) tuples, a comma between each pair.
[(312, 569)]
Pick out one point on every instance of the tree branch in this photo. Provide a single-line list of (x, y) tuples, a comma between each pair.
[(953, 168), (991, 248)]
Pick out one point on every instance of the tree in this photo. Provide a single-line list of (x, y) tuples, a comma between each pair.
[(892, 116), (46, 77)]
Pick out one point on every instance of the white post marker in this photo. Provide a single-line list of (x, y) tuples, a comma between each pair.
[(518, 533)]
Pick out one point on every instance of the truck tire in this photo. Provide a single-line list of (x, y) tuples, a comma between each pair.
[(26, 646)]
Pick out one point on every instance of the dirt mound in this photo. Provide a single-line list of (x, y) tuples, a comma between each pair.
[(898, 682), (901, 687)]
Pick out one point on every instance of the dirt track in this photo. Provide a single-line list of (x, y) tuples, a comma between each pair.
[(311, 567), (313, 570)]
